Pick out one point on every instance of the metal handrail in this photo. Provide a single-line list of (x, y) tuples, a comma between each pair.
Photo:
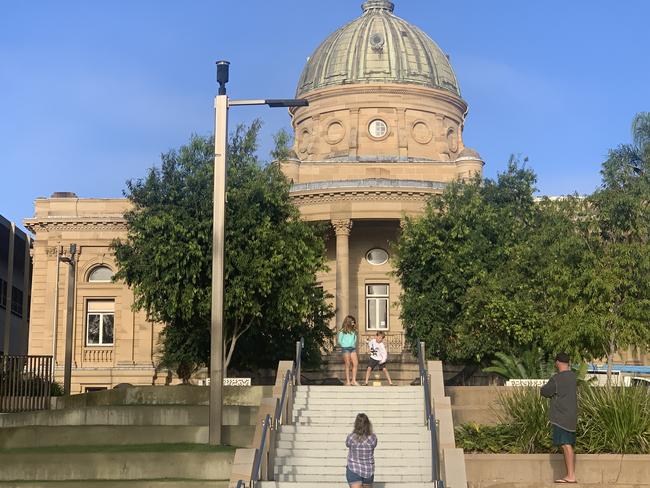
[(430, 417), (300, 345), (282, 404), (241, 484), (259, 453)]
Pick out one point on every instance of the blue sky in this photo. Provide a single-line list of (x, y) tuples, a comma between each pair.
[(92, 92)]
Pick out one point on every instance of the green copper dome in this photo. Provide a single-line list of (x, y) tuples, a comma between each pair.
[(378, 47)]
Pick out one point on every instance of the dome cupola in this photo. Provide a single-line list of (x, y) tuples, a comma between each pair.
[(378, 47)]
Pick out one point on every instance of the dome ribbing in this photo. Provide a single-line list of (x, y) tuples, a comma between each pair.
[(378, 47)]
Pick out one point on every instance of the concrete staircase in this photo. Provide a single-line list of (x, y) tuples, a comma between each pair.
[(311, 452), (403, 369)]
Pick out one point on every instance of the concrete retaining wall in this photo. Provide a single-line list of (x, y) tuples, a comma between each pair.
[(115, 466), (475, 403), (130, 415), (539, 470), (95, 435), (162, 395)]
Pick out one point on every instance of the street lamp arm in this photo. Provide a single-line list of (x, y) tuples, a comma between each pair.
[(273, 102)]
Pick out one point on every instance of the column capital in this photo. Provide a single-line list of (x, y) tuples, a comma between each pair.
[(342, 226)]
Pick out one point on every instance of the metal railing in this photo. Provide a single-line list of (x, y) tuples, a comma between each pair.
[(263, 468), (25, 383), (394, 343), (241, 484), (430, 417)]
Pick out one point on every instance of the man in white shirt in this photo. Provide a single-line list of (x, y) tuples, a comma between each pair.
[(378, 357)]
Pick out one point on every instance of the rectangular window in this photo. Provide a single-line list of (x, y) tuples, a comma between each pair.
[(3, 293), (377, 307), (16, 301), (100, 322)]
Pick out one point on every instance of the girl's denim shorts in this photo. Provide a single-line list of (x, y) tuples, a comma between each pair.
[(353, 477)]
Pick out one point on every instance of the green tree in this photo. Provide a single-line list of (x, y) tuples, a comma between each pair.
[(271, 256), (465, 289), (601, 290)]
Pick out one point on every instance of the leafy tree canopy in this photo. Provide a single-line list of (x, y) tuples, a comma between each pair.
[(459, 267), (489, 270), (271, 257)]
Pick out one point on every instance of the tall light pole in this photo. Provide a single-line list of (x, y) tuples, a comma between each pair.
[(69, 320), (221, 105)]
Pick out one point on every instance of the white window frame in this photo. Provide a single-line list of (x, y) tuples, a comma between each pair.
[(374, 125), (375, 300), (102, 314), (96, 268)]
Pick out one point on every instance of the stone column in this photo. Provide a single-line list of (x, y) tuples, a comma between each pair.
[(342, 228)]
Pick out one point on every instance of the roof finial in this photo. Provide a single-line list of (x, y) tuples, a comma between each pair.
[(378, 5)]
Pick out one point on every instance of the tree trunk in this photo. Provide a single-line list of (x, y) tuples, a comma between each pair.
[(610, 358)]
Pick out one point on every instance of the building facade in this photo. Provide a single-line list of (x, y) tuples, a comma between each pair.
[(382, 133), (111, 343), (15, 285)]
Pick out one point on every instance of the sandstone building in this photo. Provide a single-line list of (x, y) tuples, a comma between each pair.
[(382, 133)]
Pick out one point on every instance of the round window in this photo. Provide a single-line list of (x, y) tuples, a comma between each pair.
[(378, 128), (377, 256)]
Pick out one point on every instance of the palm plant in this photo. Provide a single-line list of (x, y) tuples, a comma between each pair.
[(531, 364)]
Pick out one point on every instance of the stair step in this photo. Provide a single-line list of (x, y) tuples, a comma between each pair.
[(369, 400), (392, 472), (401, 463), (318, 405), (319, 388), (341, 453), (335, 437), (379, 429), (326, 445), (329, 478), (309, 418)]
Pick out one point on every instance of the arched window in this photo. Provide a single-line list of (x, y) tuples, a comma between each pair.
[(100, 274)]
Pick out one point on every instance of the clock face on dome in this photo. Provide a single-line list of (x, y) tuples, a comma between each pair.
[(377, 42)]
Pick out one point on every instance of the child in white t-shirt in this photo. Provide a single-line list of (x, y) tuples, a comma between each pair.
[(378, 356)]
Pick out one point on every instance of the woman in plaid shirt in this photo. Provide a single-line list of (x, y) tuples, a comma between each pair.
[(360, 470)]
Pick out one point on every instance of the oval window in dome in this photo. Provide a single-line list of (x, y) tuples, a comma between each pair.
[(100, 274), (378, 129), (377, 256)]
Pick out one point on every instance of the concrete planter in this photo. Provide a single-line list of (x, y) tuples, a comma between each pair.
[(539, 470), (115, 466)]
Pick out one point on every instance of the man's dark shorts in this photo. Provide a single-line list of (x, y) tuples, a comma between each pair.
[(562, 437), (373, 363)]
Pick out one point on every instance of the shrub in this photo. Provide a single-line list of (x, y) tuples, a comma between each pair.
[(527, 413), (493, 439), (614, 419), (56, 389)]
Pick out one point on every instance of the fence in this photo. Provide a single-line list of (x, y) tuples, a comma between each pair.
[(25, 383)]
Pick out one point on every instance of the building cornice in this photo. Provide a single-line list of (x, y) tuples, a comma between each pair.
[(325, 196), (101, 222)]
